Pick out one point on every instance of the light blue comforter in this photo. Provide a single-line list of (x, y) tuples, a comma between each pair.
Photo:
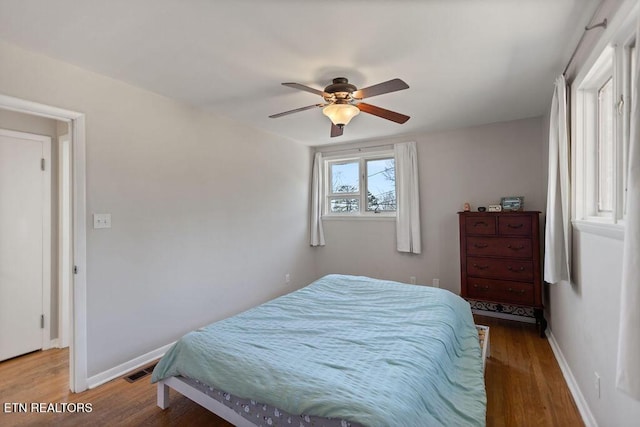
[(370, 351)]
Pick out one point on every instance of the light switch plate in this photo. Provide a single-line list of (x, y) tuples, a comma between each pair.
[(101, 220)]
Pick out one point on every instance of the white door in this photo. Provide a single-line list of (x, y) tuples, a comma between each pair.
[(24, 201)]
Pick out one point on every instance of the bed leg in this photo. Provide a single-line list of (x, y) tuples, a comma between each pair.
[(163, 395), (488, 344)]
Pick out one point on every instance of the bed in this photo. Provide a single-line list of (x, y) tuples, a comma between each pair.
[(342, 351)]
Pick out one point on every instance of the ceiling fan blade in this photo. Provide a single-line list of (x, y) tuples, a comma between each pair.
[(306, 88), (380, 88), (336, 130), (284, 113), (381, 112)]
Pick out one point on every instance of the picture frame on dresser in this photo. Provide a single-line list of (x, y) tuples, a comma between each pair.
[(512, 203), (500, 260)]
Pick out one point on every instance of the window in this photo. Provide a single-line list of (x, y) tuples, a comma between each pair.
[(363, 185), (605, 149), (344, 193), (602, 132)]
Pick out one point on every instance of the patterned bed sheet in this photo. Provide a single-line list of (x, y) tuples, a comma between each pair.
[(266, 415)]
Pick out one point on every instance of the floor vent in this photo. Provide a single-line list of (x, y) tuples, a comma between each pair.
[(140, 374), (149, 369)]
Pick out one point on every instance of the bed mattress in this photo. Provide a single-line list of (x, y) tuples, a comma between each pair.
[(350, 348)]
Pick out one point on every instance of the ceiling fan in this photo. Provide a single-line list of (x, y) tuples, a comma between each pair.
[(339, 102)]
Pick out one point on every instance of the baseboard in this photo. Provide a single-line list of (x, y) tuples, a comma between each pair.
[(506, 316), (53, 343), (578, 397), (126, 367)]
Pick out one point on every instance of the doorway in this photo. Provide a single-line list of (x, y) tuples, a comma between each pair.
[(76, 231)]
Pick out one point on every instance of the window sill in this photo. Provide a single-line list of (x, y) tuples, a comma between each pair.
[(613, 231), (359, 217)]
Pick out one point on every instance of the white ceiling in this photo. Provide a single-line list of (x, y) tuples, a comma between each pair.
[(467, 62)]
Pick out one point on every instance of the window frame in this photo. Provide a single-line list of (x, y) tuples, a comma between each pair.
[(330, 195), (588, 114), (608, 185), (361, 158), (613, 61)]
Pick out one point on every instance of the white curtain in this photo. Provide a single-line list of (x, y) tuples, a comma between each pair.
[(317, 233), (628, 368), (408, 198), (557, 253)]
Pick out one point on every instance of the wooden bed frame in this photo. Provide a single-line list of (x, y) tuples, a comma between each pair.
[(228, 414)]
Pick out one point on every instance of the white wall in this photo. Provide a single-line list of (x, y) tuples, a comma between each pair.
[(478, 165), (208, 216), (584, 323)]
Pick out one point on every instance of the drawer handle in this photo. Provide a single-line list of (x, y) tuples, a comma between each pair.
[(515, 270), (480, 267), (480, 245), (477, 223), (484, 288), (516, 291), (515, 225), (515, 248)]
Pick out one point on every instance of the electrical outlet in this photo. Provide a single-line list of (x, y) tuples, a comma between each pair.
[(596, 384), (412, 280), (101, 220), (287, 278), (436, 283)]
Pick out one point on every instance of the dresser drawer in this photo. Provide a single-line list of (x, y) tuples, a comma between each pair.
[(480, 225), (509, 269), (511, 247), (500, 291), (514, 225)]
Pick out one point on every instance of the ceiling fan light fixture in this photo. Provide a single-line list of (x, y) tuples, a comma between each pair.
[(340, 114)]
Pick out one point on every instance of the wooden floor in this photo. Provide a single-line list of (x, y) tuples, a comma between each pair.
[(524, 388)]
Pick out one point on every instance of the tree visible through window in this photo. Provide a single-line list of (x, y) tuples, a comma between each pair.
[(345, 182), (381, 185)]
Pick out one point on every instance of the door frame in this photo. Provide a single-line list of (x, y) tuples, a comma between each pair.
[(65, 245), (78, 342), (45, 196)]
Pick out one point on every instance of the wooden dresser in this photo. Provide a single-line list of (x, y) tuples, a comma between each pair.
[(500, 259)]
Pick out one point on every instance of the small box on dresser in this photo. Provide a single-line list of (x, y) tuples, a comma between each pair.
[(500, 259)]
